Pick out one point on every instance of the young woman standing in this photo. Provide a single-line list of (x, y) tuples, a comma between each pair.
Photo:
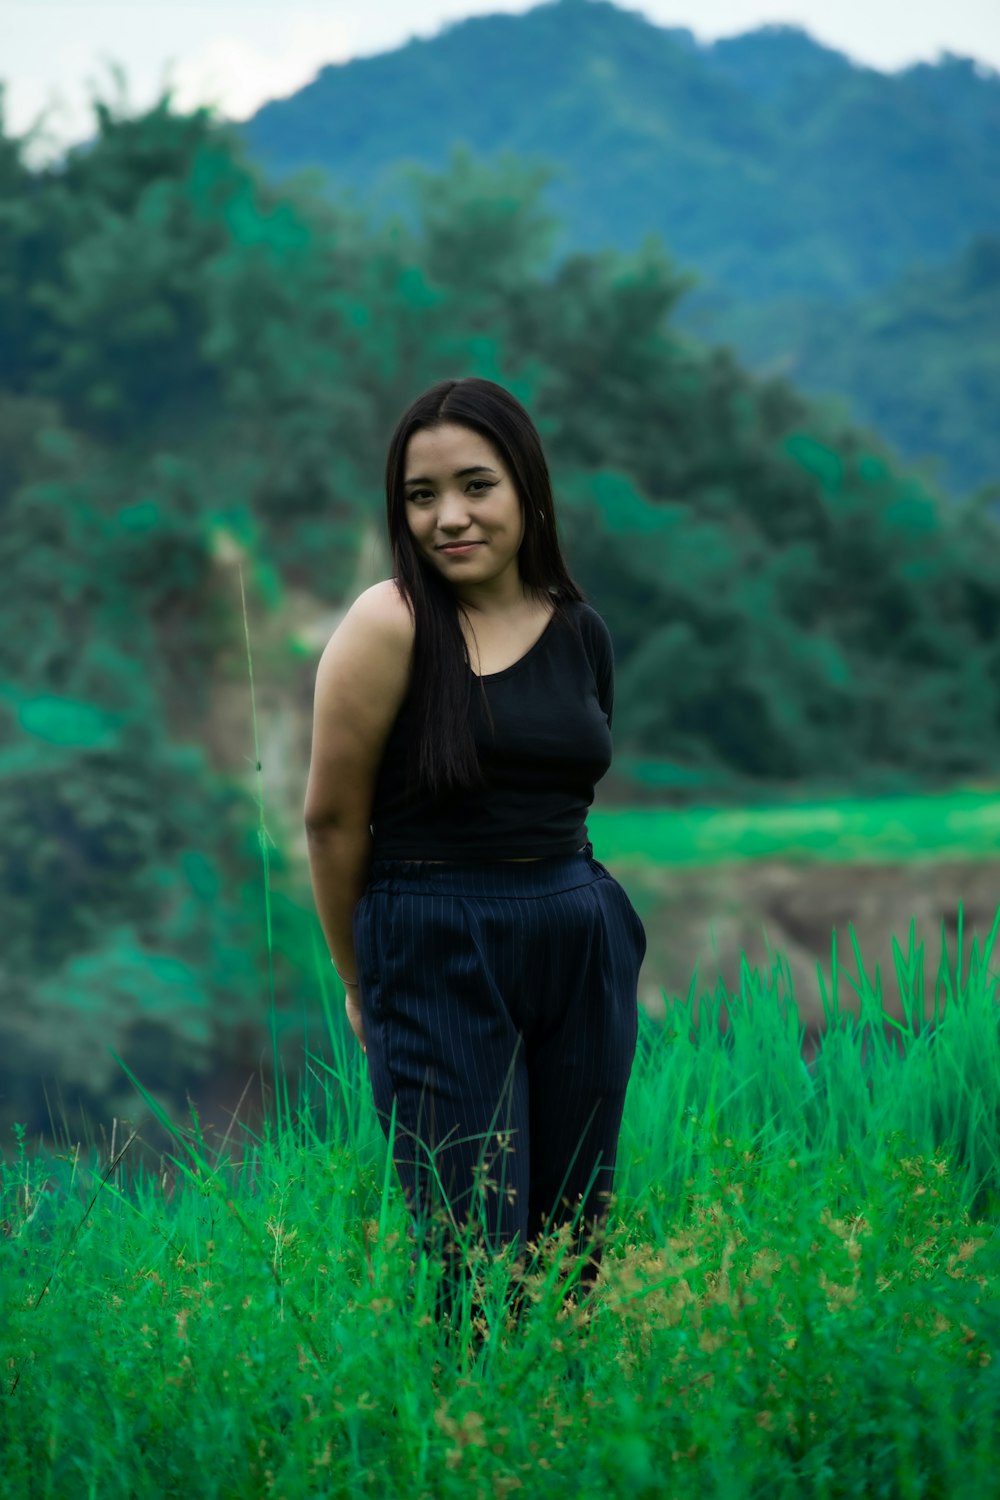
[(462, 718)]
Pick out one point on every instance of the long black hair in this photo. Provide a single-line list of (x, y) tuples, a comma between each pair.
[(441, 683)]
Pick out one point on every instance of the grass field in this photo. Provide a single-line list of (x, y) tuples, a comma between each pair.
[(800, 1293), (955, 825)]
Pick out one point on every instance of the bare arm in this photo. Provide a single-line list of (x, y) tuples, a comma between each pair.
[(361, 681)]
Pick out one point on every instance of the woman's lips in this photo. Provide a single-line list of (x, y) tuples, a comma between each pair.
[(459, 549)]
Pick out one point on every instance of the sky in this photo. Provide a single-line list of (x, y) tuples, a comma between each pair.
[(236, 54)]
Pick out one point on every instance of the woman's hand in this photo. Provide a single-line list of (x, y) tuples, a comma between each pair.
[(352, 1004)]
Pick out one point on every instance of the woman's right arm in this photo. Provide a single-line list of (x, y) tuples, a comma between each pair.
[(361, 681)]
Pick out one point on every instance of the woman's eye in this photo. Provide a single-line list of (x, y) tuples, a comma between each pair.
[(423, 497)]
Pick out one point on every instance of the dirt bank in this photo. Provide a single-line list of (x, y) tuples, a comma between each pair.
[(706, 918)]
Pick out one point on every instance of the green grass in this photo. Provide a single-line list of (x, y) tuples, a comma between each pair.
[(956, 825), (799, 1295)]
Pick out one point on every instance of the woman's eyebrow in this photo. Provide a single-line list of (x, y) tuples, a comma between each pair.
[(458, 474)]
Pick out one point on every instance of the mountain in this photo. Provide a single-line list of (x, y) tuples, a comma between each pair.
[(816, 201), (772, 164), (918, 360)]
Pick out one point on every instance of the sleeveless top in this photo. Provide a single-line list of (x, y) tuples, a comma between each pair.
[(549, 745)]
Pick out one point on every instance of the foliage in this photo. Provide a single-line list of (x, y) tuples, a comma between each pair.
[(204, 363), (919, 360), (804, 188), (767, 160)]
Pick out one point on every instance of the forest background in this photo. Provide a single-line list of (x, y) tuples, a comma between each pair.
[(203, 350)]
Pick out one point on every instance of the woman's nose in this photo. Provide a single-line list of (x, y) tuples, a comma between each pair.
[(452, 511)]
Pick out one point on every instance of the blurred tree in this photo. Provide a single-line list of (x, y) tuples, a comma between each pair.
[(199, 355)]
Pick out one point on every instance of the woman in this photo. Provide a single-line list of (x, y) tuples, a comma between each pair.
[(462, 717)]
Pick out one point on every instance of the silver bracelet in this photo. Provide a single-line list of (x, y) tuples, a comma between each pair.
[(351, 984)]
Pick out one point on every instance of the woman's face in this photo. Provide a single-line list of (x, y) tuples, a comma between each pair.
[(462, 508)]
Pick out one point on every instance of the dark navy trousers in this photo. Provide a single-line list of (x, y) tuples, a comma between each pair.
[(501, 1014)]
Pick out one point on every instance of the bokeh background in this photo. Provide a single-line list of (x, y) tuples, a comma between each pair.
[(748, 285)]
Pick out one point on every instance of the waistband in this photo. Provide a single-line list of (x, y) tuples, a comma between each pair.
[(536, 877)]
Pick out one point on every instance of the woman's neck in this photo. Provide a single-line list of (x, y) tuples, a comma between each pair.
[(510, 599)]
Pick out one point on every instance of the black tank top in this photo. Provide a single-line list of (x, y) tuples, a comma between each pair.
[(549, 746)]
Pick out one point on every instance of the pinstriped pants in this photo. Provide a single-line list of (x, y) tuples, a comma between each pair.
[(500, 1011)]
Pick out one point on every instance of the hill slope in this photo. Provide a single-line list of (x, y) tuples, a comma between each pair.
[(770, 163), (918, 360), (817, 201)]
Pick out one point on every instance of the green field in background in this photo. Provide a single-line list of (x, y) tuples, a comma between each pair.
[(959, 825)]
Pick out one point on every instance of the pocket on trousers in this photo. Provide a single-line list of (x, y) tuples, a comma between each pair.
[(640, 933), (633, 920), (636, 927)]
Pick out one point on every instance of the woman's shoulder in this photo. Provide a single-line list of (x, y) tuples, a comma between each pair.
[(374, 635), (586, 618), (384, 607), (585, 611)]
